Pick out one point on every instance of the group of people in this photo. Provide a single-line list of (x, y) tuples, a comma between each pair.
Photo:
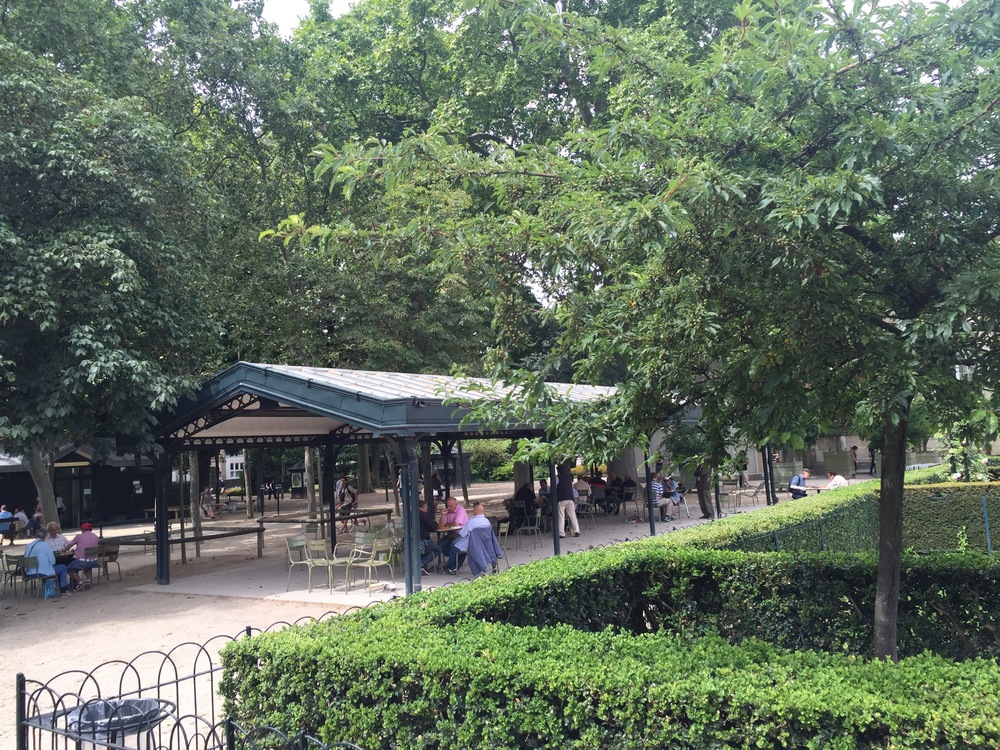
[(460, 541), (49, 543)]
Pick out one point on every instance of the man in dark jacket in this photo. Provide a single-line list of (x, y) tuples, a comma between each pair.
[(430, 551)]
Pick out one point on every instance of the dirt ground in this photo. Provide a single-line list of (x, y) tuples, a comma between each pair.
[(222, 592)]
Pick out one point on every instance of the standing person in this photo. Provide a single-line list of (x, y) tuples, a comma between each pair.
[(854, 458), (871, 457), (797, 487), (437, 484), (704, 497), (60, 507), (566, 495)]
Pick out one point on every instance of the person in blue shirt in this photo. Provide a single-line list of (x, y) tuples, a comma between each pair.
[(797, 487)]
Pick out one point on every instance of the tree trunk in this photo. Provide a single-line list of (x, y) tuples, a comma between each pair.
[(364, 469), (40, 467), (194, 498), (308, 477), (890, 536)]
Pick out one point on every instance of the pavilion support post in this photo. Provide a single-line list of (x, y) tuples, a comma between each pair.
[(649, 494), (554, 507), (405, 454), (327, 482), (425, 468), (162, 482), (461, 474)]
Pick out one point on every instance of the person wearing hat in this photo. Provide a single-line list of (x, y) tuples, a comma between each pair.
[(82, 542), (797, 487)]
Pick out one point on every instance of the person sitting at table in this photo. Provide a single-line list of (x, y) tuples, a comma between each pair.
[(797, 487), (836, 480), (83, 541), (45, 558), (453, 515), (615, 491), (56, 541), (461, 543), (429, 549)]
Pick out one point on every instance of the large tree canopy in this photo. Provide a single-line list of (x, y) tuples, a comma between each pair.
[(794, 228), (100, 230)]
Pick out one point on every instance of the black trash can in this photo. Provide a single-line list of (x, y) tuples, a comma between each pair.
[(100, 723)]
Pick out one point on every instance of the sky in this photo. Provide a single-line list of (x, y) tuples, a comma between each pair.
[(286, 13)]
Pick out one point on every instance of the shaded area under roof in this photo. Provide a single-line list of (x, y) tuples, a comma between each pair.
[(252, 404)]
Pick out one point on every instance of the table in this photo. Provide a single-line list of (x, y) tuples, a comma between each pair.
[(173, 510), (447, 530)]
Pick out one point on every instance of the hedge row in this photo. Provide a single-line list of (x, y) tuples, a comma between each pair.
[(949, 516), (402, 684), (634, 656)]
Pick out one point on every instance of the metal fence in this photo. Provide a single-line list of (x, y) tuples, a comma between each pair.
[(156, 701)]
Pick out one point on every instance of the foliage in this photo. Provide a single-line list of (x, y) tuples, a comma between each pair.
[(489, 459), (97, 253), (473, 687)]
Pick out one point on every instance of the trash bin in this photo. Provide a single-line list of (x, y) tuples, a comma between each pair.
[(100, 723)]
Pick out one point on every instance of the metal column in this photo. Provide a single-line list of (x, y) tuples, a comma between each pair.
[(162, 483)]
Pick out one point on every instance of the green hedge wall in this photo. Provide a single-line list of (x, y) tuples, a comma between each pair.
[(402, 684), (936, 516), (635, 651)]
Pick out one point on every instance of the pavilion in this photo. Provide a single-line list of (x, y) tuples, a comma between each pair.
[(259, 405)]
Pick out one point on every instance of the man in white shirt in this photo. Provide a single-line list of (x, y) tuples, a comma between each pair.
[(54, 539), (836, 481)]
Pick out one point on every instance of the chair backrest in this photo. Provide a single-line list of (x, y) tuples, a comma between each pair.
[(90, 553), (598, 492), (316, 549), (628, 491), (28, 563), (296, 547), (108, 552), (5, 525)]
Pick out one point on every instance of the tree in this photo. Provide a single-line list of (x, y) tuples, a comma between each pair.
[(100, 233), (796, 228)]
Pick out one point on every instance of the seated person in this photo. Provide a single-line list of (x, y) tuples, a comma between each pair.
[(544, 497), (797, 487), (430, 550), (629, 488), (522, 506), (671, 499), (599, 491), (461, 543), (45, 560), (83, 541), (8, 525), (25, 523), (452, 515), (56, 541), (614, 496), (207, 501)]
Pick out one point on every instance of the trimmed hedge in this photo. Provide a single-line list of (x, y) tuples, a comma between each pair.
[(478, 685), (950, 515), (634, 652)]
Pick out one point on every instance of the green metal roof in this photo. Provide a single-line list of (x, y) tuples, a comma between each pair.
[(252, 404)]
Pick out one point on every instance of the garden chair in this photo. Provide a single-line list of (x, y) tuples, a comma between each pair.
[(532, 527), (586, 510), (370, 558), (317, 557), (107, 555), (295, 547)]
